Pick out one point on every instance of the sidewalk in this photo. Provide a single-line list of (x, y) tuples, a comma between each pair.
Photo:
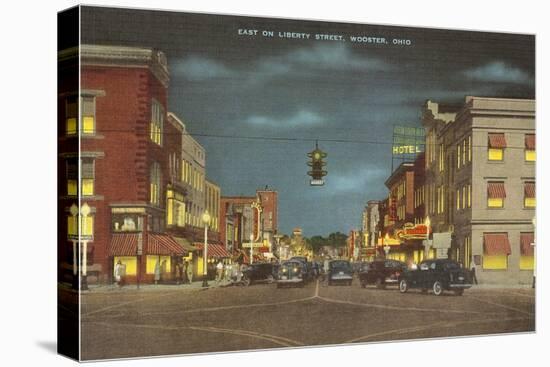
[(196, 286)]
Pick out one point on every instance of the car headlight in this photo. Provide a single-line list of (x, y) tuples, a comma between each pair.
[(284, 270), (295, 270)]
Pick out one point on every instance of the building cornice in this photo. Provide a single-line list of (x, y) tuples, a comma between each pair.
[(122, 56)]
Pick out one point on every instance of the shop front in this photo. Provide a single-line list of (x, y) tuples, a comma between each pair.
[(156, 261), (216, 253)]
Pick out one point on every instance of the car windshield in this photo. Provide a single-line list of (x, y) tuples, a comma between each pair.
[(340, 265), (452, 266)]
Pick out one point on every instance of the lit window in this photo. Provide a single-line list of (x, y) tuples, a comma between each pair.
[(154, 184), (496, 249), (88, 115), (175, 209), (457, 199), (497, 143), (87, 226), (529, 200), (469, 196), (87, 177), (530, 153), (458, 154), (71, 115), (495, 194), (157, 122), (527, 251), (469, 148)]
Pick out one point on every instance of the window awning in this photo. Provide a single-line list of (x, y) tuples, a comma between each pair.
[(214, 250), (185, 243), (530, 141), (526, 239), (123, 244), (495, 244), (497, 140), (495, 190), (162, 244), (529, 189)]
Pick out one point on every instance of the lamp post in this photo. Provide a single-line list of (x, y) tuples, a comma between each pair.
[(251, 248), (534, 221), (428, 231), (206, 221), (386, 246), (74, 213), (85, 211)]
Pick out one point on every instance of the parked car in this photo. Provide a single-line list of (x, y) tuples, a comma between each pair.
[(259, 273), (381, 273), (308, 272), (438, 275), (339, 271), (291, 272)]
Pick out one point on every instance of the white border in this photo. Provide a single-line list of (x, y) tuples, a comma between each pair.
[(29, 183)]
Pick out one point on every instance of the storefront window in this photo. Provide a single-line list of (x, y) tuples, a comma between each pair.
[(130, 262)]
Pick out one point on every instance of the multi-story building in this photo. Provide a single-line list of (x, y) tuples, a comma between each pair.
[(212, 204), (241, 216), (371, 229), (404, 233), (480, 184), (124, 167), (140, 176), (193, 177)]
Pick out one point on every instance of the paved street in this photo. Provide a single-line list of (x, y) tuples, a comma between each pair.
[(135, 323)]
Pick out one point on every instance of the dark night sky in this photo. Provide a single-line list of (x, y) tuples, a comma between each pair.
[(226, 84)]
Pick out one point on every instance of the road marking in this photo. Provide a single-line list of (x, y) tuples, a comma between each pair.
[(285, 342), (399, 308), (126, 303), (219, 308), (316, 289), (275, 339), (444, 324), (503, 306)]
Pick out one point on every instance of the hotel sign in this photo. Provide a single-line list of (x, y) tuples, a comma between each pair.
[(408, 140)]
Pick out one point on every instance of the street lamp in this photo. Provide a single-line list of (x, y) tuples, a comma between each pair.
[(386, 246), (74, 213), (85, 211), (428, 223), (206, 221), (251, 248)]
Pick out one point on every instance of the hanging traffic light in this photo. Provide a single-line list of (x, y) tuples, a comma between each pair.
[(316, 163)]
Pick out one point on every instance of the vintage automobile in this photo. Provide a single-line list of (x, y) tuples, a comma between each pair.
[(308, 272), (339, 271), (381, 273), (291, 272), (438, 275), (259, 273)]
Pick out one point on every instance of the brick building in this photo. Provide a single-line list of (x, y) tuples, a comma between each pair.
[(132, 172)]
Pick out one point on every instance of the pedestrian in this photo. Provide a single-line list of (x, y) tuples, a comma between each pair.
[(219, 271), (157, 272), (227, 275), (118, 273), (177, 273), (473, 272), (190, 272)]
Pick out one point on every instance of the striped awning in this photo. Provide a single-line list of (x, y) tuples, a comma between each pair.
[(185, 243), (526, 239), (162, 244), (495, 190), (530, 141), (214, 250), (529, 189), (497, 140), (496, 244), (123, 244)]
